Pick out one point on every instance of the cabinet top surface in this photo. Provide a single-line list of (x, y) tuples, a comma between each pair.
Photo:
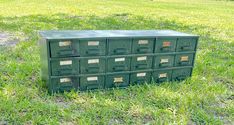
[(73, 34)]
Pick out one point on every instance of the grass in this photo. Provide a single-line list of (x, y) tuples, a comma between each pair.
[(206, 98)]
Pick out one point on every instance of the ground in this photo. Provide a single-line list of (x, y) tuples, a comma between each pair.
[(206, 98)]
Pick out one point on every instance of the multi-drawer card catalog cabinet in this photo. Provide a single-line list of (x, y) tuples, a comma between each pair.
[(97, 59)]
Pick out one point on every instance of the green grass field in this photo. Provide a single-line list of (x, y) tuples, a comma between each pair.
[(206, 98)]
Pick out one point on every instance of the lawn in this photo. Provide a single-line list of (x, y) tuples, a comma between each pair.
[(206, 98)]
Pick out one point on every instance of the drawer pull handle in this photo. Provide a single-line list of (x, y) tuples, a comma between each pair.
[(120, 51), (143, 49), (66, 52), (141, 66), (92, 52), (119, 68)]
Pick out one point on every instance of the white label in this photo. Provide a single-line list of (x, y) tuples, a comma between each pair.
[(62, 80), (143, 42), (118, 79), (93, 43), (67, 62), (92, 61), (141, 58), (92, 78), (162, 75), (141, 74), (164, 60), (65, 43), (119, 59)]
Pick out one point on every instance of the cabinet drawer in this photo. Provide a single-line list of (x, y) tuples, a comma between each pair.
[(64, 48), (142, 45), (117, 80), (92, 82), (184, 59), (140, 78), (119, 46), (165, 45), (186, 44), (181, 74), (162, 76), (64, 66), (92, 65), (141, 62), (117, 64), (64, 84), (163, 61), (92, 47)]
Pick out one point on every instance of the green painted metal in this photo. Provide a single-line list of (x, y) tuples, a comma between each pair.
[(97, 59)]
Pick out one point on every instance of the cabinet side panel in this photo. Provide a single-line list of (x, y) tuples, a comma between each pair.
[(44, 57)]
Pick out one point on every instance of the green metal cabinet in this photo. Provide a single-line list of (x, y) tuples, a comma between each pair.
[(142, 45), (92, 65), (117, 80), (90, 82), (121, 46), (140, 77), (96, 59), (141, 62), (117, 64)]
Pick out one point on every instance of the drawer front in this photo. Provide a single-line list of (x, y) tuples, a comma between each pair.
[(92, 47), (162, 76), (64, 48), (92, 65), (186, 44), (117, 80), (92, 82), (184, 59), (165, 45), (142, 45), (163, 61), (118, 64), (181, 74), (140, 78), (64, 84), (141, 62), (119, 46), (65, 66)]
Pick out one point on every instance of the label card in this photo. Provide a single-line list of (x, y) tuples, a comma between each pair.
[(143, 42), (119, 59), (141, 58), (93, 61), (63, 80), (118, 79), (164, 60), (64, 43), (141, 74), (93, 43), (66, 62), (184, 58), (92, 78), (162, 75), (166, 43)]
